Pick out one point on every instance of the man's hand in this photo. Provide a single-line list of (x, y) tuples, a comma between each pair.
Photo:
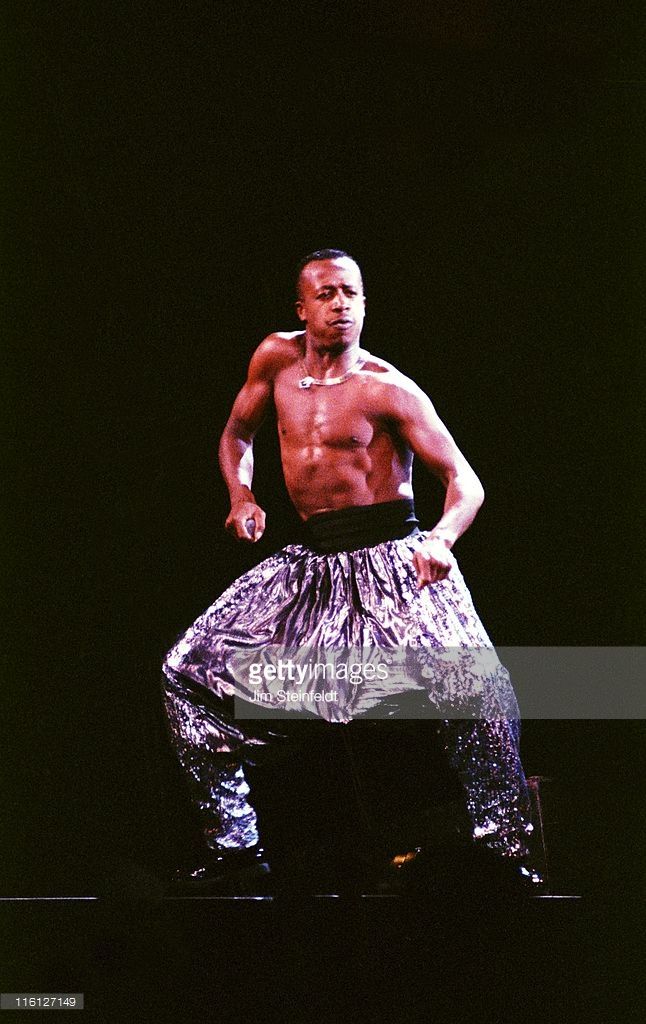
[(433, 561), (246, 521)]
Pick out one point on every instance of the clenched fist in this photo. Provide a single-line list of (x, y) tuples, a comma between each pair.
[(433, 561), (246, 521)]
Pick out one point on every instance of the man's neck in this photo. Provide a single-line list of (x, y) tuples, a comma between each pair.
[(323, 359)]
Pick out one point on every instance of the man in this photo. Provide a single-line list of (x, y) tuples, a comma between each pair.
[(363, 577)]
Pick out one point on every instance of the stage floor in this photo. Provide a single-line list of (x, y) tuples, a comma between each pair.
[(395, 958)]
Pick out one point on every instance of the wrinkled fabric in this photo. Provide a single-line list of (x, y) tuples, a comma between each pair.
[(366, 600), (206, 747)]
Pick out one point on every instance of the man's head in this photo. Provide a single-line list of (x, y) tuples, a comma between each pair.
[(316, 257), (330, 296)]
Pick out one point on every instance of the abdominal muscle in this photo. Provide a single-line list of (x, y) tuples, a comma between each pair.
[(323, 478)]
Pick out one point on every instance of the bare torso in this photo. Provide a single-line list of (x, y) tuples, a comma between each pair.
[(337, 446), (344, 444)]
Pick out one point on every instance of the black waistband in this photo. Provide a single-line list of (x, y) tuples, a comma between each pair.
[(361, 526)]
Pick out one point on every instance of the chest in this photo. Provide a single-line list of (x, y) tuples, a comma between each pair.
[(337, 416)]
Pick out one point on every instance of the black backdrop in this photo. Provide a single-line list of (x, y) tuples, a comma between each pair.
[(168, 165)]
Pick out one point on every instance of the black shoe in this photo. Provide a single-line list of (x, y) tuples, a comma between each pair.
[(241, 872)]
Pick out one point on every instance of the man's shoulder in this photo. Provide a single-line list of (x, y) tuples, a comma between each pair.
[(381, 369), (285, 339), (276, 352), (384, 378)]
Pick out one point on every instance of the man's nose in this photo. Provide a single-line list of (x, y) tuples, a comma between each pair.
[(341, 301)]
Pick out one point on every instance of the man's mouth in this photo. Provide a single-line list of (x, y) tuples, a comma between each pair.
[(342, 321)]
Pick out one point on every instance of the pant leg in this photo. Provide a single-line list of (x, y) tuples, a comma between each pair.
[(485, 754), (211, 749)]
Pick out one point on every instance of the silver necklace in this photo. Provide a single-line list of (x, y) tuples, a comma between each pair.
[(328, 382)]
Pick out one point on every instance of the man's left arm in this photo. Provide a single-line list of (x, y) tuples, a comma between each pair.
[(420, 427)]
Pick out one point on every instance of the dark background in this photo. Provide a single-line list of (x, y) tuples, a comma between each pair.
[(167, 167)]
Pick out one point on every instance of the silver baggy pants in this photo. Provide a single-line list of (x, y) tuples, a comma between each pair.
[(365, 599)]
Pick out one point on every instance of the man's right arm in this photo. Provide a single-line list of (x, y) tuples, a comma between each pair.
[(236, 443)]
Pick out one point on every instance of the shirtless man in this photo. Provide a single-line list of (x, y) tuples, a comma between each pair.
[(350, 446), (349, 426)]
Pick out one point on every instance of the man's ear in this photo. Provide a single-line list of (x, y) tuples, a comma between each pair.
[(299, 310)]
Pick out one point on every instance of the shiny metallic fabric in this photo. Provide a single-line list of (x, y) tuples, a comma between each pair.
[(204, 743), (365, 599)]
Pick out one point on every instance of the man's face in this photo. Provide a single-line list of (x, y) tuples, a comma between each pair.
[(331, 300)]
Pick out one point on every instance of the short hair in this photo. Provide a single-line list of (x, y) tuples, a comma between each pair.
[(320, 254)]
